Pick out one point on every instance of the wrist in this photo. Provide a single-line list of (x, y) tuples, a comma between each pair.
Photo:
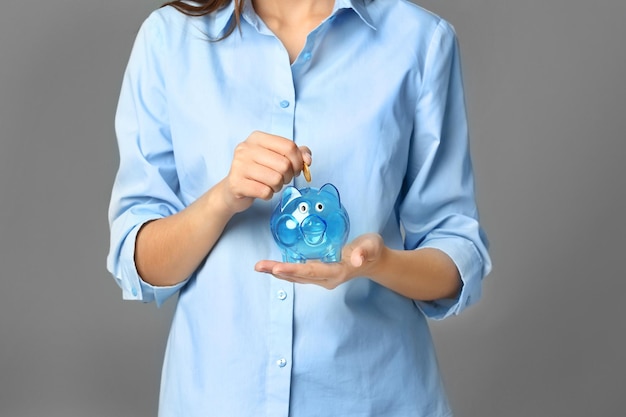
[(221, 202), (378, 266)]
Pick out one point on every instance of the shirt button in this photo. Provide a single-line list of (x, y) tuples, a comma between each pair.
[(281, 295), (306, 56), (284, 104), (281, 362), (134, 291)]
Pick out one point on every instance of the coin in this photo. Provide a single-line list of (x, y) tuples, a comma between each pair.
[(306, 172)]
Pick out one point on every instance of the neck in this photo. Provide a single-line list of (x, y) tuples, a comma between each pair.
[(288, 12), (292, 20)]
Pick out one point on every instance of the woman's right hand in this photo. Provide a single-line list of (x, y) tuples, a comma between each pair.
[(261, 166), (168, 250)]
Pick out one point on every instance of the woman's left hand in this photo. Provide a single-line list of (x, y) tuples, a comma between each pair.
[(358, 258)]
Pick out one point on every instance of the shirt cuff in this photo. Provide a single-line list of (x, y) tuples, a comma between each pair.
[(135, 288), (470, 265)]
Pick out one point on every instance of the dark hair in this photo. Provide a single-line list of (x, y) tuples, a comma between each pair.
[(206, 7)]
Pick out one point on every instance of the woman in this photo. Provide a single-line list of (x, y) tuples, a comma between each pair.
[(222, 104)]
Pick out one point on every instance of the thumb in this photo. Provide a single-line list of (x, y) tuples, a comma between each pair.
[(365, 249), (358, 256)]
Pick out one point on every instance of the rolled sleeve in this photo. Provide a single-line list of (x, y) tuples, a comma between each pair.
[(121, 263), (470, 264), (439, 209), (146, 186)]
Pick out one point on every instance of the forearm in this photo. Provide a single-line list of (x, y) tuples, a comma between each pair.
[(423, 274), (170, 249)]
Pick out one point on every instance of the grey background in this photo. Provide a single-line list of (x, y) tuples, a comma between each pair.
[(547, 104)]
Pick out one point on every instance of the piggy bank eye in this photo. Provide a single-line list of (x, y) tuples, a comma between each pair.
[(303, 207), (319, 206)]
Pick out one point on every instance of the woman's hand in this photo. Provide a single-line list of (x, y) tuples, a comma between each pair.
[(261, 166), (168, 250), (358, 258), (423, 274)]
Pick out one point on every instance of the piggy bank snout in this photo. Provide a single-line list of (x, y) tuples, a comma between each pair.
[(313, 229)]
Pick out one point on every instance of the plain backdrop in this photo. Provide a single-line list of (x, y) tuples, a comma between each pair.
[(546, 94)]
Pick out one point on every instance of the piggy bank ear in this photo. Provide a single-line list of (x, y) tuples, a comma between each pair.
[(331, 189), (290, 193)]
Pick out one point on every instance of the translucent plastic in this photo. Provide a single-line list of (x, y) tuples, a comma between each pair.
[(310, 223)]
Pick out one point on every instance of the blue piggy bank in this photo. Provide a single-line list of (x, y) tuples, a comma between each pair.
[(310, 223)]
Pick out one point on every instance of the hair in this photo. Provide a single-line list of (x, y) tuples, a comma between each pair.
[(205, 7)]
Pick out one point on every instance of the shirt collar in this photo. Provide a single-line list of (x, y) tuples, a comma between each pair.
[(223, 16), (360, 8)]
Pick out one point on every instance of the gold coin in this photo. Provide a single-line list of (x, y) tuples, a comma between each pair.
[(306, 172)]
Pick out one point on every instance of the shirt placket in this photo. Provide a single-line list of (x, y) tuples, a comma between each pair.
[(281, 292)]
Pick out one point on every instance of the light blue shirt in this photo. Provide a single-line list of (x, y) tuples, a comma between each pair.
[(377, 95)]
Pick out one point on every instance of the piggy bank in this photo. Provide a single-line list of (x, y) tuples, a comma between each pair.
[(310, 223)]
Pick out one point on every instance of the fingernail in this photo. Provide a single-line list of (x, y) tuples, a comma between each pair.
[(358, 261)]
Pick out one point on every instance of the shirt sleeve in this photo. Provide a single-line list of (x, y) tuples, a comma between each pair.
[(438, 209), (146, 186)]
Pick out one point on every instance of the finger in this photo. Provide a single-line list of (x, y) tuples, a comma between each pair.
[(249, 179), (260, 165), (271, 170), (307, 159), (248, 155), (358, 257), (247, 188), (307, 155), (281, 146), (314, 271), (265, 266), (268, 267), (296, 270), (286, 270)]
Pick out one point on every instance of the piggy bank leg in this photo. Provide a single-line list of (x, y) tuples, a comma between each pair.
[(293, 257), (332, 256)]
